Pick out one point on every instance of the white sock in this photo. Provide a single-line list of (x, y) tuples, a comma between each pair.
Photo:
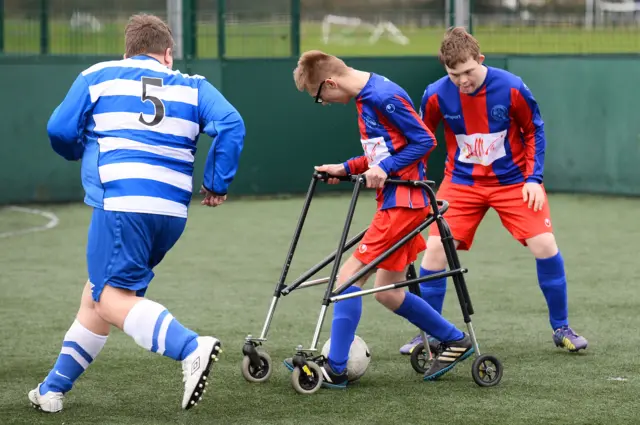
[(79, 348), (140, 323), (153, 328), (91, 343)]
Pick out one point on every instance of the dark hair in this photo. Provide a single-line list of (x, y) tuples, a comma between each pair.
[(147, 34), (458, 46)]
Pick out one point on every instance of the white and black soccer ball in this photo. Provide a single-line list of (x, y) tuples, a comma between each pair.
[(359, 358)]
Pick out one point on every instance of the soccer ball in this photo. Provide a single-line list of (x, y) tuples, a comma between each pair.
[(359, 358)]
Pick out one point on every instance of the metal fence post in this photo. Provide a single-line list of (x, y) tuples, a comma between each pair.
[(1, 26), (452, 12), (44, 27), (470, 8), (174, 19), (295, 27), (189, 47), (462, 14), (222, 35)]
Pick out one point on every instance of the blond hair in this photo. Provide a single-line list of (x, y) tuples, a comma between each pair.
[(314, 67), (458, 46), (147, 34)]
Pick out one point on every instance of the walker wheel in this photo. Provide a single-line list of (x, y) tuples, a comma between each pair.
[(308, 379), (486, 370), (254, 372), (421, 359)]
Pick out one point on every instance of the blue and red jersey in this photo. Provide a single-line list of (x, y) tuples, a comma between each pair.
[(494, 136), (394, 138)]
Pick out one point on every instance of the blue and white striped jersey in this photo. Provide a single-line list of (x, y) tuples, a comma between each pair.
[(135, 124)]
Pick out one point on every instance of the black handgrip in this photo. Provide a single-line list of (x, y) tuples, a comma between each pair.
[(428, 185), (324, 176), (423, 183)]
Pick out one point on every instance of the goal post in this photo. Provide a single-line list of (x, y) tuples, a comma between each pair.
[(353, 30), (600, 12)]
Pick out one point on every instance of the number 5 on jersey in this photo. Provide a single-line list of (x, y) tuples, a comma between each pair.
[(157, 103)]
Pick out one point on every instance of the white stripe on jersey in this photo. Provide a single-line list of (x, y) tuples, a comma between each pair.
[(120, 87), (140, 170), (109, 121), (113, 143), (145, 204), (150, 64)]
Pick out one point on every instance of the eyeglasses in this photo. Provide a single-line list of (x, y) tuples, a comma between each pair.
[(318, 98)]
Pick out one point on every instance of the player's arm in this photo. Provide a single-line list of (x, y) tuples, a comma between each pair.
[(356, 165), (420, 140), (67, 123), (527, 116), (222, 122), (430, 110)]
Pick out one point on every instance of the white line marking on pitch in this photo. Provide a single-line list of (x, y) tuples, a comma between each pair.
[(53, 221)]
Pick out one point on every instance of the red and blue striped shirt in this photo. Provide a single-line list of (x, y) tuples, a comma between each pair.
[(494, 136), (394, 138)]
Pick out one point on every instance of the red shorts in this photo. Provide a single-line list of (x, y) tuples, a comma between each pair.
[(468, 205), (388, 227)]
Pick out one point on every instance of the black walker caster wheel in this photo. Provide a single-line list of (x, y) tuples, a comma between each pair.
[(306, 379), (256, 364), (420, 358), (486, 370), (257, 372)]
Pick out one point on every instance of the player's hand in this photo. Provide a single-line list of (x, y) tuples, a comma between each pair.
[(211, 199), (533, 193), (332, 170), (375, 177)]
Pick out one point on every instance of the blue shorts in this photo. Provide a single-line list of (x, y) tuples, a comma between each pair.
[(124, 247)]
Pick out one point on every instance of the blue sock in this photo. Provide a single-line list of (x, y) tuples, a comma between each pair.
[(79, 347), (346, 316), (180, 341), (433, 291), (420, 313), (553, 283), (155, 329)]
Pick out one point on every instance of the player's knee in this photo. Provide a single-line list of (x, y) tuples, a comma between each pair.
[(88, 314), (102, 309), (543, 246), (390, 299), (87, 306), (114, 304), (86, 302), (434, 258), (348, 270)]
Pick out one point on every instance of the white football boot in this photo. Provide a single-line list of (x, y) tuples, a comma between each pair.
[(50, 402), (195, 369)]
